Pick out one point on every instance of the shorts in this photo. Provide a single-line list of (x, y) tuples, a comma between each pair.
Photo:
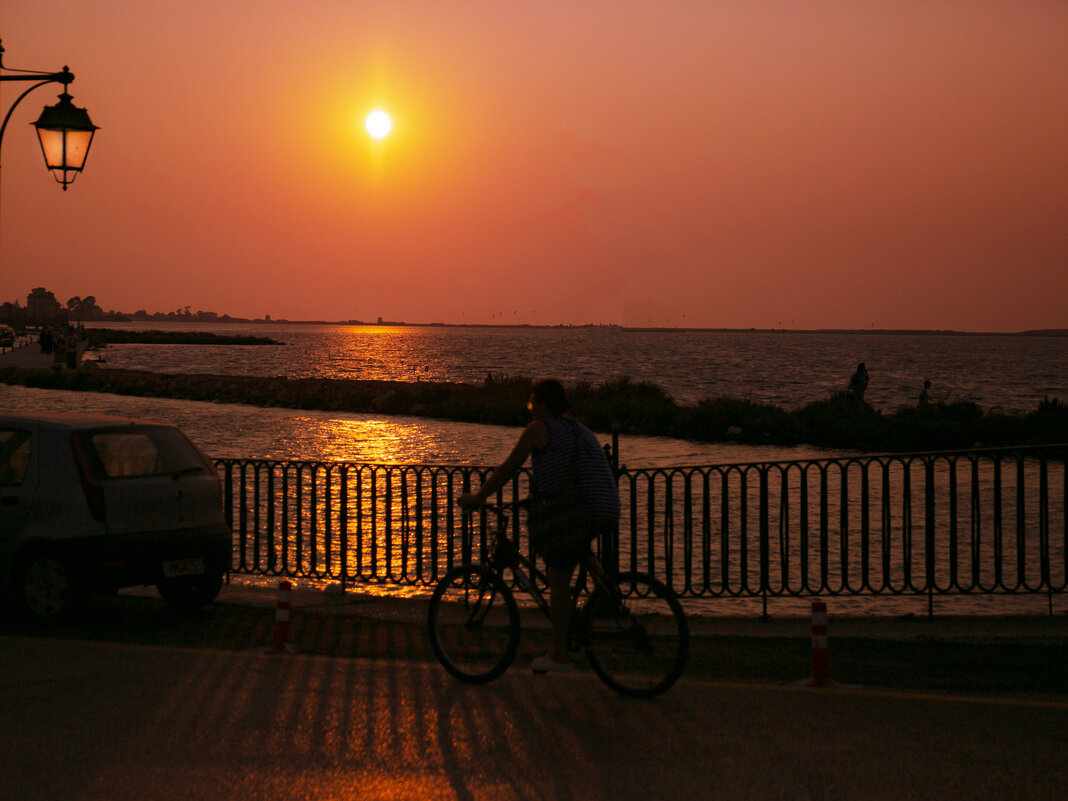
[(606, 530)]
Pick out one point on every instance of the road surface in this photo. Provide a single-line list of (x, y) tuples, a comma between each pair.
[(83, 721)]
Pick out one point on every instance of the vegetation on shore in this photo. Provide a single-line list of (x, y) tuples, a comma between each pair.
[(623, 405), (109, 336)]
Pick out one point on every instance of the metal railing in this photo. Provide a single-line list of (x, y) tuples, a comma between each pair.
[(988, 521)]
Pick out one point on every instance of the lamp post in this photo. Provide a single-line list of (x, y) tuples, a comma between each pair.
[(64, 130)]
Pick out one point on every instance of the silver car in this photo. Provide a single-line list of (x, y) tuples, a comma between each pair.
[(90, 503)]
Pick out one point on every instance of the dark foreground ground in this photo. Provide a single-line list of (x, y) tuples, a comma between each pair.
[(1009, 656)]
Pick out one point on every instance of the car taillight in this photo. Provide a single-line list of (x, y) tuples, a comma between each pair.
[(93, 489)]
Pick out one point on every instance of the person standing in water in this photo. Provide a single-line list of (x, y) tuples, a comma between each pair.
[(925, 395), (858, 384)]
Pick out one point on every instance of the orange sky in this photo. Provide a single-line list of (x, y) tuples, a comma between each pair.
[(831, 163)]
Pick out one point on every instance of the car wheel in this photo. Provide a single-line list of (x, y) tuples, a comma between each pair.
[(190, 593), (47, 589)]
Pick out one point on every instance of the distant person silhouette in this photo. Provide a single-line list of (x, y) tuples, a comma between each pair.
[(858, 384), (925, 395)]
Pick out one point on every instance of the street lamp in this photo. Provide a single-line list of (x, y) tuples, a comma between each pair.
[(64, 130)]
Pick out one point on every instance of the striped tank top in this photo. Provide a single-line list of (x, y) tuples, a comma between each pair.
[(551, 467)]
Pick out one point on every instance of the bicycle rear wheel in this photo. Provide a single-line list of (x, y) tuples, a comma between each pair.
[(473, 624), (637, 640)]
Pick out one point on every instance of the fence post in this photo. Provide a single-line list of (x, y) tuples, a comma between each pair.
[(765, 545), (343, 519), (610, 549), (929, 534)]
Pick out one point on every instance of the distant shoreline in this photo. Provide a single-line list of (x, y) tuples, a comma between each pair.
[(1040, 332)]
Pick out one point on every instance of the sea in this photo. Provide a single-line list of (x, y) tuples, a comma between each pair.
[(789, 369)]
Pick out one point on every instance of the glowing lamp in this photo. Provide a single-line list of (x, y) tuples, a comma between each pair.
[(66, 133)]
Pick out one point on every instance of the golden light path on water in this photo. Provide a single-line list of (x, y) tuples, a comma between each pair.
[(381, 441), (321, 437)]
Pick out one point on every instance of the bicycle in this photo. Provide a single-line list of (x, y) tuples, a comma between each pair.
[(631, 626)]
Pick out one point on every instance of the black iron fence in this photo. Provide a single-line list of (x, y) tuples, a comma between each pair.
[(988, 521)]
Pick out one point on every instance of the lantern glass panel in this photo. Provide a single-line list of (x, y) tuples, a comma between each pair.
[(52, 147), (70, 157)]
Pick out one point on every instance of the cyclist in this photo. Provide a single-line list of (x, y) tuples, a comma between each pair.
[(550, 441)]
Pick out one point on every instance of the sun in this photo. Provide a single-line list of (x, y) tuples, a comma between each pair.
[(378, 124)]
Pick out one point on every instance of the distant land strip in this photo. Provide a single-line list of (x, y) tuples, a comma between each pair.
[(1039, 332), (117, 336), (622, 405)]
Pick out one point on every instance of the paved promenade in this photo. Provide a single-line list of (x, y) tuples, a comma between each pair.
[(996, 655), (925, 709), (29, 356), (108, 721)]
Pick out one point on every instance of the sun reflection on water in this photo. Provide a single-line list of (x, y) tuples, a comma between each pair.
[(375, 441), (385, 441), (378, 353)]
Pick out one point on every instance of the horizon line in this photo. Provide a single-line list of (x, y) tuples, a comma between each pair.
[(641, 329)]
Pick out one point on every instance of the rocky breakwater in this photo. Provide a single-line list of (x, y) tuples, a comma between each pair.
[(621, 405), (451, 401)]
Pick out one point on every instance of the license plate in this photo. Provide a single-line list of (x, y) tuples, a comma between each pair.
[(183, 567)]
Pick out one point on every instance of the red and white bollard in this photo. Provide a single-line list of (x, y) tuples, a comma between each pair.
[(820, 667), (281, 620)]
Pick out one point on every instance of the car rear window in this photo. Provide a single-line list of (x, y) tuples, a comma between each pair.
[(139, 452), (14, 455)]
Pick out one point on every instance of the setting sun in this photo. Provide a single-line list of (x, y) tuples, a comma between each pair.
[(378, 124)]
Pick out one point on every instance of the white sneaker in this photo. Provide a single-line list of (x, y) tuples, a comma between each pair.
[(545, 664)]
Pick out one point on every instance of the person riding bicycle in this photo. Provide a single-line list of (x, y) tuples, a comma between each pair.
[(555, 441)]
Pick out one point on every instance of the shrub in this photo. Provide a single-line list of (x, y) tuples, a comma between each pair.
[(632, 408), (719, 419)]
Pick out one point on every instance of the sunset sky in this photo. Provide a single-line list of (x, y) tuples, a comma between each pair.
[(716, 163)]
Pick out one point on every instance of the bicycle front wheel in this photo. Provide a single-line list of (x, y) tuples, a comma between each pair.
[(473, 624), (637, 639)]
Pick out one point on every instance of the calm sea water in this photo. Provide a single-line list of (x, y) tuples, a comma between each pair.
[(786, 369)]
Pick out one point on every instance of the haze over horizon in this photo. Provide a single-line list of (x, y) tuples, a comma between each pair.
[(727, 164), (212, 316)]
